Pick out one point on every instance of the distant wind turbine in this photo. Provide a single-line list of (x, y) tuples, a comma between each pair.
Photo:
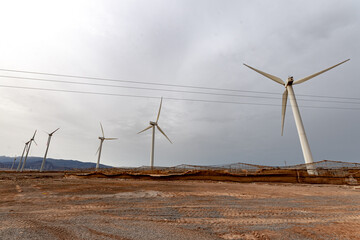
[(47, 148), (102, 139), (153, 125), (299, 125), (28, 150), (22, 155), (12, 166)]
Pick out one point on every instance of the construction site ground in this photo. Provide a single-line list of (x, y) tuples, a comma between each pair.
[(55, 206)]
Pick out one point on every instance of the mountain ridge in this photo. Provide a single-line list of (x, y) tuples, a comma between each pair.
[(51, 164)]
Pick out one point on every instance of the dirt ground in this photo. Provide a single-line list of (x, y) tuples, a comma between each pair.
[(49, 206)]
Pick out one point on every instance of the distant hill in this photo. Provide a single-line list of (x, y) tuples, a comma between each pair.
[(34, 163)]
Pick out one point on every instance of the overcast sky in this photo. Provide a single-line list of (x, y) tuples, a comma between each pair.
[(181, 42)]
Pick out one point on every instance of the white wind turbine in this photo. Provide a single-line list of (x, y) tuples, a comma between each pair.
[(28, 150), (22, 155), (299, 125), (153, 125), (12, 166), (47, 148), (102, 139)]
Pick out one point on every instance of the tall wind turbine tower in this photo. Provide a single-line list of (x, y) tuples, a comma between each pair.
[(102, 139), (153, 125), (299, 125), (22, 155), (47, 148), (28, 150)]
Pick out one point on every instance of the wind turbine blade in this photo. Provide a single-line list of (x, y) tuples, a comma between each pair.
[(145, 129), (110, 138), (102, 130), (163, 133), (35, 142), (316, 74), (274, 78), (54, 131), (284, 102), (157, 119), (34, 134)]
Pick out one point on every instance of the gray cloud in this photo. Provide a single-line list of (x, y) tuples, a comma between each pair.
[(200, 43)]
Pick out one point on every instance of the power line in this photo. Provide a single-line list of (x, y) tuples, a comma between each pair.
[(126, 81), (165, 90), (129, 87), (167, 85), (169, 98)]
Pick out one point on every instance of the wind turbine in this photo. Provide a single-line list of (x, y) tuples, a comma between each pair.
[(12, 166), (22, 155), (102, 139), (47, 148), (28, 150), (295, 109), (153, 125)]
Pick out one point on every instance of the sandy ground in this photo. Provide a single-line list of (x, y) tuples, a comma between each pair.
[(98, 208)]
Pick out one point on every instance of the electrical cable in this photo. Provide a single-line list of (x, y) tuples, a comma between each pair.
[(169, 98), (164, 84), (159, 89)]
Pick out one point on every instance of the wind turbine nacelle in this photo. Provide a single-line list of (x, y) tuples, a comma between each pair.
[(290, 81), (152, 123)]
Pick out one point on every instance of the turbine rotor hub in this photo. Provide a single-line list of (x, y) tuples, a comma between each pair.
[(290, 81), (153, 123)]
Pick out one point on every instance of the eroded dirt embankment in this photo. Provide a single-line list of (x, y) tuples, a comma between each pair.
[(276, 176)]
